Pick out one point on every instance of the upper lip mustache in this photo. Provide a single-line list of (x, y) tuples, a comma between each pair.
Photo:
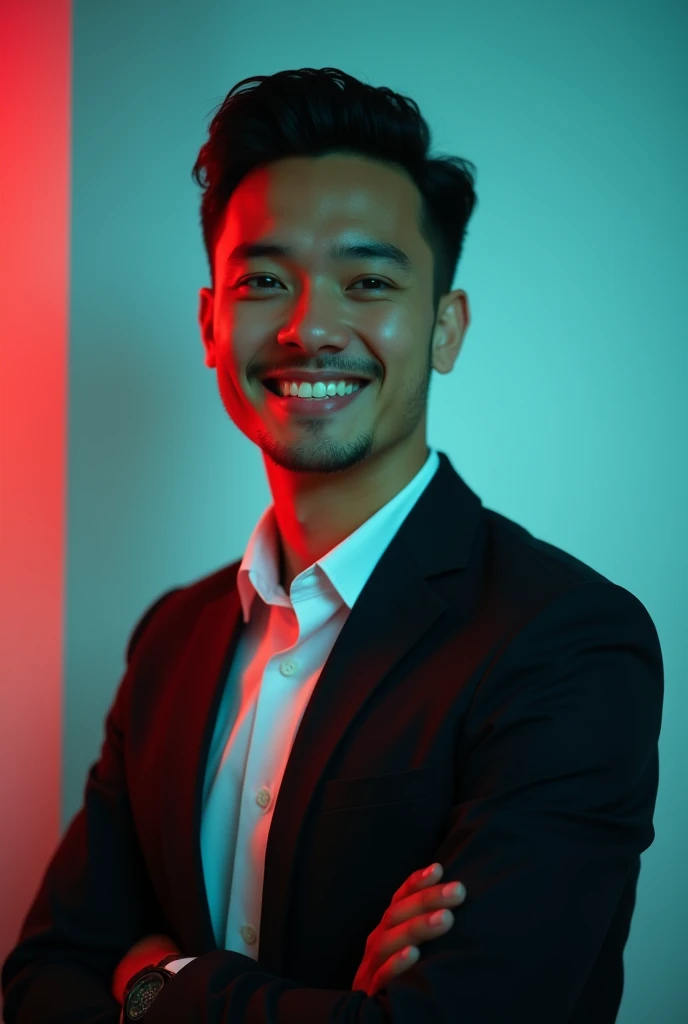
[(312, 375)]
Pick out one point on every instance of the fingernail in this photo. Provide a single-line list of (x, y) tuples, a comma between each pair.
[(429, 871), (453, 889), (439, 917)]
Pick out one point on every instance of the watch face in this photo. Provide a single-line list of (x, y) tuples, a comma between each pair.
[(142, 994)]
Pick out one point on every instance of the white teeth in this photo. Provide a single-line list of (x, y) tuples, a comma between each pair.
[(318, 390)]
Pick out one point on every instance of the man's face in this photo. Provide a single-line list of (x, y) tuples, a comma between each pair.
[(361, 317)]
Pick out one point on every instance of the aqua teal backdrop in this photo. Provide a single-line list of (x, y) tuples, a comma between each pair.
[(566, 410)]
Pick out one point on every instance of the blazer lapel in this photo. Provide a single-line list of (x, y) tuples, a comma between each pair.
[(194, 694), (393, 612)]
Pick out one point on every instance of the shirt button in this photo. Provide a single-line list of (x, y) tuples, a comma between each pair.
[(263, 797), (248, 934), (288, 667)]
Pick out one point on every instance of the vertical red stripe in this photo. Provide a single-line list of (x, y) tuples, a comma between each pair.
[(35, 72)]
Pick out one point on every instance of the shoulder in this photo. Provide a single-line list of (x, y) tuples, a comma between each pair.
[(183, 604), (526, 576)]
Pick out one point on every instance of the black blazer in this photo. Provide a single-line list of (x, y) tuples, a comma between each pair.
[(491, 703)]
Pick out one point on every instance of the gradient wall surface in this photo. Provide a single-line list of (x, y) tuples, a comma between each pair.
[(35, 139), (566, 411)]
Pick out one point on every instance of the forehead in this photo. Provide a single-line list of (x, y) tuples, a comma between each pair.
[(309, 199)]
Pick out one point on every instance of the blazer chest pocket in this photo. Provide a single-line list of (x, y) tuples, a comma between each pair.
[(373, 790)]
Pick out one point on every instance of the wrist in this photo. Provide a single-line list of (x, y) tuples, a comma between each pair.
[(143, 987), (132, 963)]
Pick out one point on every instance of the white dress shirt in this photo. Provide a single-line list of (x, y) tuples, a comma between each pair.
[(283, 648)]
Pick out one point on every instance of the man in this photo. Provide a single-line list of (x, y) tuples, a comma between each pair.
[(393, 675)]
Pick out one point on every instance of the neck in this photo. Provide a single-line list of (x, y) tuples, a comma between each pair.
[(317, 511)]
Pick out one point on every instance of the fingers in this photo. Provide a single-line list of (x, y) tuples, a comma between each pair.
[(414, 932), (426, 877), (417, 918), (419, 880), (449, 894), (419, 911), (393, 967)]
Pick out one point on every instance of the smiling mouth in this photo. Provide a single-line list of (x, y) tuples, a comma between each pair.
[(272, 385)]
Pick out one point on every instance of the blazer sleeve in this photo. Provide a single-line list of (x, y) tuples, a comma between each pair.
[(556, 780), (94, 901)]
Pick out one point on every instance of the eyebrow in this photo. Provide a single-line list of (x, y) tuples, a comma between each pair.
[(364, 249)]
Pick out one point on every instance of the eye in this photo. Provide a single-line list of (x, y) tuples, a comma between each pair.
[(269, 277), (378, 279), (256, 277)]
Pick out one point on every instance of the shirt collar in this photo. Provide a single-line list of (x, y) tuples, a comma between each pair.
[(344, 569)]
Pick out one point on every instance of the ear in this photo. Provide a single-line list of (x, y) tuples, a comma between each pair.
[(206, 308), (452, 323)]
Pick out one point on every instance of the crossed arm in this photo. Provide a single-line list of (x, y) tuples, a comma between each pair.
[(419, 911), (557, 794)]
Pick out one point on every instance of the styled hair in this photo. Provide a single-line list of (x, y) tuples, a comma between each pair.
[(313, 112)]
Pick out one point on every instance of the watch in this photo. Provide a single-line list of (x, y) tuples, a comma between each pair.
[(143, 987)]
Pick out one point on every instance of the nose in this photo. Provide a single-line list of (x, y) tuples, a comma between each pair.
[(313, 331)]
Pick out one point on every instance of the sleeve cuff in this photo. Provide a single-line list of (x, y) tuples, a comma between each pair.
[(176, 965)]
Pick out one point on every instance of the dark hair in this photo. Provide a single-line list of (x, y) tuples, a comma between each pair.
[(311, 112)]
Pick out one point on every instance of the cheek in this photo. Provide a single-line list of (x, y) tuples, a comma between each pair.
[(233, 353), (404, 359), (398, 339), (234, 398)]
